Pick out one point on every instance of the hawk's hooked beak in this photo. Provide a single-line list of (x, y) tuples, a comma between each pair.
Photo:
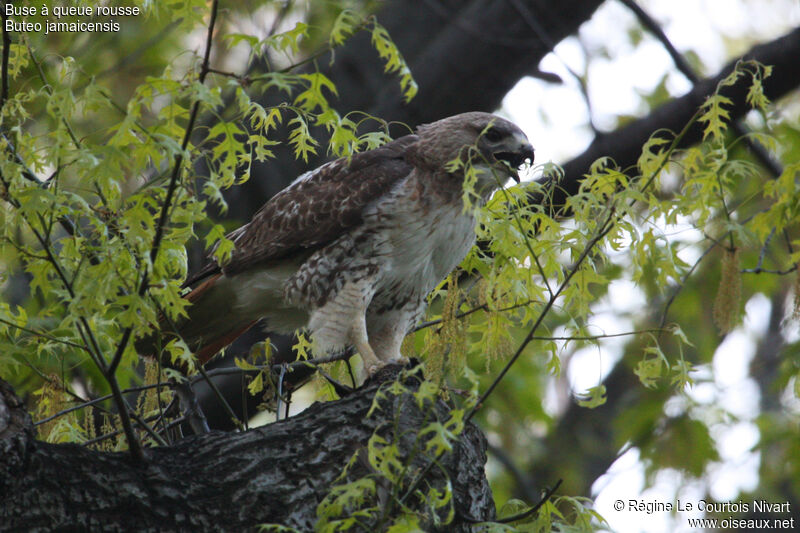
[(515, 154)]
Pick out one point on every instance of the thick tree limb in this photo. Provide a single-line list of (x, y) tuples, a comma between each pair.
[(624, 145), (219, 481)]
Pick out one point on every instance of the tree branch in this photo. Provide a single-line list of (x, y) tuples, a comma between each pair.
[(225, 481), (173, 184), (4, 66), (686, 69), (625, 144)]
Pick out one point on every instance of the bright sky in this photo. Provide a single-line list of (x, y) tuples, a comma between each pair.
[(555, 119)]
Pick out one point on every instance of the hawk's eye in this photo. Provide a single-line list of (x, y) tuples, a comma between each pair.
[(493, 135)]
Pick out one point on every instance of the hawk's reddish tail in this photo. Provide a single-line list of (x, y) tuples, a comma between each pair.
[(211, 325)]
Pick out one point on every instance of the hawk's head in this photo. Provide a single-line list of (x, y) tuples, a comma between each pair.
[(496, 146)]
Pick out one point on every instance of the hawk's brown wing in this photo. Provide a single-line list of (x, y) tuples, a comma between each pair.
[(316, 209)]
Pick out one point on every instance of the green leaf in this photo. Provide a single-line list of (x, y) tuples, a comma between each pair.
[(346, 23), (394, 62), (288, 41), (715, 116), (313, 98), (256, 384), (227, 149), (405, 524), (215, 239), (596, 397), (300, 138)]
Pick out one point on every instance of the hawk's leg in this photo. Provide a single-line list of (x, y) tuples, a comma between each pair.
[(387, 342), (341, 322), (361, 342), (387, 331)]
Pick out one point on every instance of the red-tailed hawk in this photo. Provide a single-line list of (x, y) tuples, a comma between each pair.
[(351, 249)]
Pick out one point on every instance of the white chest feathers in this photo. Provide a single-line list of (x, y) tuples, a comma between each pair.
[(420, 242)]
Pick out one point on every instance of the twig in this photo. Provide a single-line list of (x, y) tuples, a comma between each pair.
[(143, 423), (279, 393), (177, 421), (533, 23), (350, 373), (482, 307), (788, 241), (161, 410), (43, 335), (6, 55), (607, 225), (48, 88), (682, 284), (27, 173), (85, 331), (598, 337), (173, 183), (686, 69), (67, 224), (525, 237), (108, 371), (605, 228), (150, 431), (287, 5), (759, 270), (176, 171), (134, 446), (313, 363), (96, 401), (532, 510), (221, 398), (316, 55), (714, 244), (763, 251), (227, 74), (191, 407)]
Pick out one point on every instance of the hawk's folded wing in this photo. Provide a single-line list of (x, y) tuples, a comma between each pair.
[(316, 208)]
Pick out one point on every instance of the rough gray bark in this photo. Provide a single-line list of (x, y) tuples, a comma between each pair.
[(221, 481)]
